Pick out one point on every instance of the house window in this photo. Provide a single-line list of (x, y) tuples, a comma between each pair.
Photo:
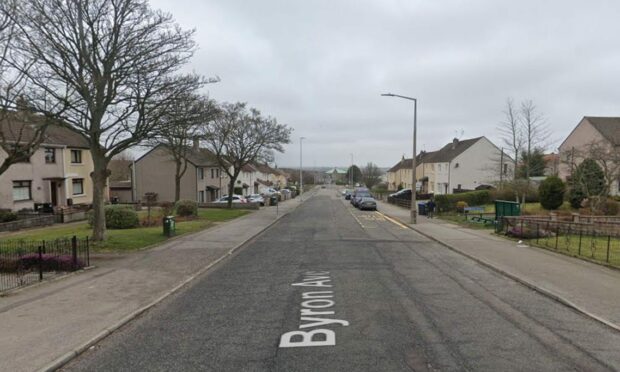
[(201, 173), (50, 155), (217, 173), (439, 167), (201, 196), (22, 190), (76, 156), (78, 186), (505, 168), (212, 173)]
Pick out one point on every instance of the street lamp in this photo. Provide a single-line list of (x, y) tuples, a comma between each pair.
[(351, 172), (413, 217), (301, 178)]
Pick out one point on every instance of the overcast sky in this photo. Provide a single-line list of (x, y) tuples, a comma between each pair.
[(320, 67)]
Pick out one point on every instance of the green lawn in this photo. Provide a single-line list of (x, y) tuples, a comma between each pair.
[(593, 248), (129, 239)]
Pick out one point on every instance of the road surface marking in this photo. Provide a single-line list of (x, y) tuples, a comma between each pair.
[(314, 303), (393, 220)]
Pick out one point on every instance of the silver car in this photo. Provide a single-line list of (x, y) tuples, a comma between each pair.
[(367, 203)]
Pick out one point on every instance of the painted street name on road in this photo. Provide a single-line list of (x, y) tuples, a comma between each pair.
[(314, 307)]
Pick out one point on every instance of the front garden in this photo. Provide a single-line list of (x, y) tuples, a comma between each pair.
[(130, 230)]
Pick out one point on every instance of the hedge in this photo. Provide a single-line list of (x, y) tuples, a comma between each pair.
[(118, 217), (186, 208), (447, 203)]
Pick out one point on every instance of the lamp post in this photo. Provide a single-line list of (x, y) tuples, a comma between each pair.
[(351, 172), (414, 207), (301, 176)]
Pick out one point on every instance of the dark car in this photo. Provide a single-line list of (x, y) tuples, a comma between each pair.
[(347, 194), (358, 194), (367, 203), (402, 194)]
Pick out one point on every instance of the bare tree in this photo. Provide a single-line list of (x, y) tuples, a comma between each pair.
[(182, 124), (511, 132), (371, 175), (535, 132), (21, 129), (110, 63), (239, 136)]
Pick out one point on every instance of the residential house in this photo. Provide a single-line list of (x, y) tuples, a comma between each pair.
[(256, 178), (203, 181), (400, 176), (552, 164), (58, 173), (601, 132), (466, 165), (458, 166), (337, 175)]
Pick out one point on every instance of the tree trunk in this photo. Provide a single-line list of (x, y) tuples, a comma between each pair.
[(177, 188), (99, 177), (231, 190)]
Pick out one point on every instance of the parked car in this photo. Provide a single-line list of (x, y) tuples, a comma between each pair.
[(358, 194), (402, 194), (235, 199), (256, 198), (367, 203)]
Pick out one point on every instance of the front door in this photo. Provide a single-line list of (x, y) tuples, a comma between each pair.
[(54, 192)]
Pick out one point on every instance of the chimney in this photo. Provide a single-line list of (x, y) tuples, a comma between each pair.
[(455, 142), (196, 144)]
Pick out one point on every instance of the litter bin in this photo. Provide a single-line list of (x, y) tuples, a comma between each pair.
[(169, 226), (273, 199), (503, 209), (422, 209)]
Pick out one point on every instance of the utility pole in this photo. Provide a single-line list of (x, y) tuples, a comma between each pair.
[(301, 177), (414, 211)]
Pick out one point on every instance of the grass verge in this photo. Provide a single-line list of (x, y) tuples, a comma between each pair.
[(128, 239)]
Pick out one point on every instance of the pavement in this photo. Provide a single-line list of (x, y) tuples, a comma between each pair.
[(332, 288), (43, 326), (591, 289)]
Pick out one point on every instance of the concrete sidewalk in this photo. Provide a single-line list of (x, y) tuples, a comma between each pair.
[(42, 326), (587, 287)]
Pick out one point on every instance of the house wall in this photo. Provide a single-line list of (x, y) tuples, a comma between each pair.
[(155, 173), (35, 171), (76, 171), (221, 183), (583, 134), (478, 165)]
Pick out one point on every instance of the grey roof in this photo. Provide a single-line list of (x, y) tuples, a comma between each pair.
[(609, 127), (202, 157), (423, 157), (451, 150), (14, 129)]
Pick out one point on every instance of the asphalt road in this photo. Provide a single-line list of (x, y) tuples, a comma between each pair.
[(382, 298)]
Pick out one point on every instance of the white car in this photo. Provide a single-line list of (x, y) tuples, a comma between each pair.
[(256, 198), (235, 199)]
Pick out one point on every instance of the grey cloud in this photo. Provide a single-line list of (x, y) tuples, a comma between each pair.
[(321, 65)]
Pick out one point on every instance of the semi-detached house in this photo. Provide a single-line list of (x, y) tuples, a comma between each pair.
[(203, 181), (57, 173), (459, 165)]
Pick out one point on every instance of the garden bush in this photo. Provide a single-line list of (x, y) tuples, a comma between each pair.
[(447, 203), (167, 208), (49, 262), (186, 208), (118, 217), (551, 192), (460, 206), (7, 216)]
